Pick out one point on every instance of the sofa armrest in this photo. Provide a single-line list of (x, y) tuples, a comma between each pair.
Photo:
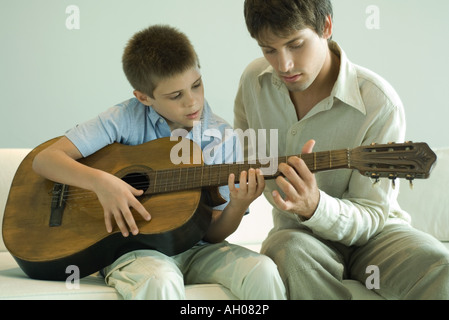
[(428, 202), (10, 160)]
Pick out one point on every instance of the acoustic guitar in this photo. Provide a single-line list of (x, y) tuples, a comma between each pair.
[(48, 226)]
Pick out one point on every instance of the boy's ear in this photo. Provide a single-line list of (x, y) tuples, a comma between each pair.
[(143, 98)]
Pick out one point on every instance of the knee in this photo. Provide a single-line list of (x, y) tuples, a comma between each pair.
[(265, 268), (160, 286), (433, 282), (148, 278), (287, 247), (160, 281), (263, 281), (422, 274)]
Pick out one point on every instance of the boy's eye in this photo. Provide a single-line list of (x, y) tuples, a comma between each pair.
[(176, 96)]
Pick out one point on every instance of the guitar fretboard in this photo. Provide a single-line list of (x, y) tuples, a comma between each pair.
[(192, 177)]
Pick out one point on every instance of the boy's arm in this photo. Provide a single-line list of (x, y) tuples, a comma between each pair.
[(58, 163), (225, 222)]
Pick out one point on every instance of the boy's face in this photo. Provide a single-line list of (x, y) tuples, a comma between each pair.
[(179, 99), (298, 58)]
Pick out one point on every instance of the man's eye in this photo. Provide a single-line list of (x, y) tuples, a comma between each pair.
[(297, 45), (269, 51)]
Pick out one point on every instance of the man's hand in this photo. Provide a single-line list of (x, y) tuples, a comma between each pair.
[(299, 185)]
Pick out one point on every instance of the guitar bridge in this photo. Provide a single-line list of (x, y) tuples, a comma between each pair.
[(58, 201)]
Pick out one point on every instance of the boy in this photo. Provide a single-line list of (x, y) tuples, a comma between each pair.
[(332, 225), (163, 68)]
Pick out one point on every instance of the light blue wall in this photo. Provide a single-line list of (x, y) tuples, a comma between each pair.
[(52, 78)]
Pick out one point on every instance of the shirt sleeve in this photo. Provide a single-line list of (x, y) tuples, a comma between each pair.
[(93, 135), (365, 207)]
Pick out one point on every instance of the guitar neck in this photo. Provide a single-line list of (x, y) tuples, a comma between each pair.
[(184, 178)]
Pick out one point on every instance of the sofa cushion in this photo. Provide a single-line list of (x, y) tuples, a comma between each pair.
[(10, 160), (428, 202), (14, 284)]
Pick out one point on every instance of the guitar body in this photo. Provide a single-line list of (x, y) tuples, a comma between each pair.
[(179, 219)]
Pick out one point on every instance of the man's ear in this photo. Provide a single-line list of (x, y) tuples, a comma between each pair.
[(143, 98), (328, 28)]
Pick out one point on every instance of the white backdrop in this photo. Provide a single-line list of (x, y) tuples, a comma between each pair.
[(60, 60)]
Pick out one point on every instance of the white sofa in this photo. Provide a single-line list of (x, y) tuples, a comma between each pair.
[(428, 204)]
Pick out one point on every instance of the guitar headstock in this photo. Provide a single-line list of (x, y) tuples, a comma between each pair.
[(394, 160)]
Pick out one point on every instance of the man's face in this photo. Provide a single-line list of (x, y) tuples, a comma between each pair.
[(297, 58)]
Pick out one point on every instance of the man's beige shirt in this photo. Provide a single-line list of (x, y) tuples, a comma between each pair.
[(362, 109)]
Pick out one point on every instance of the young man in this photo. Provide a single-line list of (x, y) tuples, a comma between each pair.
[(331, 225), (163, 68)]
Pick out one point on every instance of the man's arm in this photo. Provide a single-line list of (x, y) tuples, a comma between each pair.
[(364, 208)]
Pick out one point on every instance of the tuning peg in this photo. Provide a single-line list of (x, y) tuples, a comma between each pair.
[(376, 178), (410, 178), (393, 178)]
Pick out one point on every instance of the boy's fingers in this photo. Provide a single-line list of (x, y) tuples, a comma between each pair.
[(130, 222), (242, 181), (141, 210), (107, 221), (231, 182), (252, 181), (120, 223)]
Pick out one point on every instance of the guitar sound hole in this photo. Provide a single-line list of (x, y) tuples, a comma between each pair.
[(140, 181)]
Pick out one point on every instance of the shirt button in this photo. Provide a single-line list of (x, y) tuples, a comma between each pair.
[(293, 132), (161, 120)]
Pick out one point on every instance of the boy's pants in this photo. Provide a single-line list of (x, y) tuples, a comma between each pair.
[(409, 264), (149, 274)]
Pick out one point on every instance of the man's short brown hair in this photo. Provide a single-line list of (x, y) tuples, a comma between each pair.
[(157, 53), (282, 17)]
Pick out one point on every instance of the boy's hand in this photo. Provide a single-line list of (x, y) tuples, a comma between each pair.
[(251, 185), (117, 197), (224, 223)]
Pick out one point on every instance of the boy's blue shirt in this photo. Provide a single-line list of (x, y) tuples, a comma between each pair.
[(132, 123)]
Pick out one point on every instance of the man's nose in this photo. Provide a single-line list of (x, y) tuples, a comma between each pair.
[(285, 62)]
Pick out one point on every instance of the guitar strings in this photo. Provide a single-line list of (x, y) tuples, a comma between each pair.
[(320, 161), (173, 184)]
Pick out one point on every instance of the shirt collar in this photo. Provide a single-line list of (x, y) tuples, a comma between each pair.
[(154, 117), (346, 87)]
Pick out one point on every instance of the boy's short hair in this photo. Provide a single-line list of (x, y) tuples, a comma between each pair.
[(282, 17), (157, 53)]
